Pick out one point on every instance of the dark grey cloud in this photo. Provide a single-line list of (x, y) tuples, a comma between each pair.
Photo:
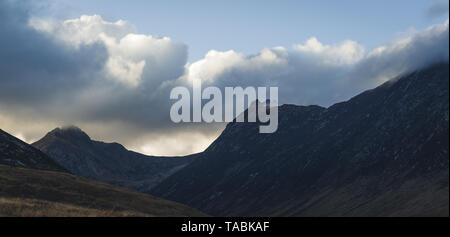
[(47, 80), (438, 9), (45, 75), (35, 69)]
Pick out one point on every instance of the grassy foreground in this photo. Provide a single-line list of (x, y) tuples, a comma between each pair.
[(29, 192)]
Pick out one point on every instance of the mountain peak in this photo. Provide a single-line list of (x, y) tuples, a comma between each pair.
[(107, 162), (69, 132)]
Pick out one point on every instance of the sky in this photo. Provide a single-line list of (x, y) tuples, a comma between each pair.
[(108, 66), (250, 25)]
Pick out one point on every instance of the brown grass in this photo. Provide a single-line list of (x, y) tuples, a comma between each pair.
[(18, 207), (27, 192)]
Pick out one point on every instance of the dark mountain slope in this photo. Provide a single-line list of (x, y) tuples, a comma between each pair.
[(384, 152), (15, 152), (32, 184), (28, 192), (108, 162)]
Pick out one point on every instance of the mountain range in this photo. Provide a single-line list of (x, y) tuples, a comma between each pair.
[(73, 149), (32, 184), (382, 153)]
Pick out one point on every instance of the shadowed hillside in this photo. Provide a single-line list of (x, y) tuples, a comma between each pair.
[(74, 150), (28, 192), (382, 153), (15, 152)]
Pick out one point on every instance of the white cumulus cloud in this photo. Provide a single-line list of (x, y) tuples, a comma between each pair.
[(132, 57)]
